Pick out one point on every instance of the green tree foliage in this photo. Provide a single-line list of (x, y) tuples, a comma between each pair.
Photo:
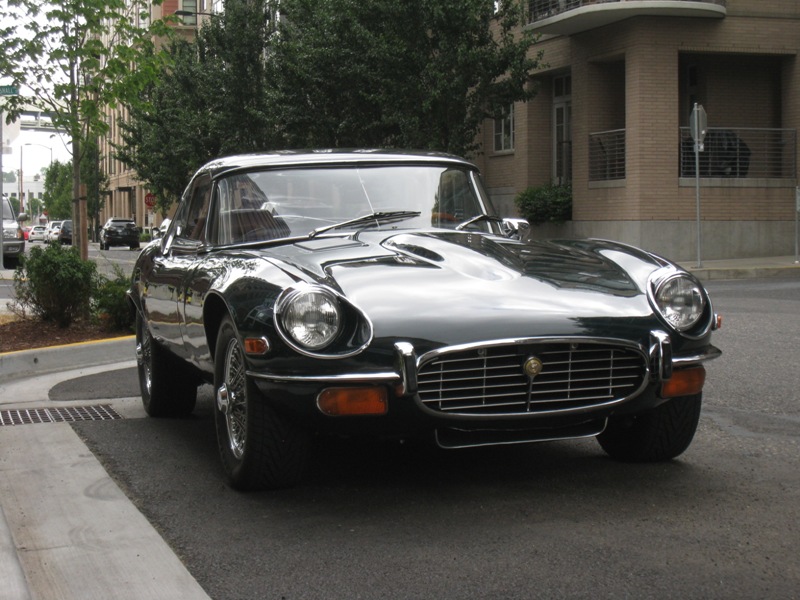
[(58, 190), (330, 73), (76, 57), (417, 73), (212, 101), (96, 183)]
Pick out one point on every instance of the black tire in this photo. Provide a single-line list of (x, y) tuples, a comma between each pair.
[(656, 435), (168, 388), (259, 447), (10, 262)]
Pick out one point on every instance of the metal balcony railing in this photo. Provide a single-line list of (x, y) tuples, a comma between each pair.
[(741, 153), (545, 9), (728, 152), (607, 155)]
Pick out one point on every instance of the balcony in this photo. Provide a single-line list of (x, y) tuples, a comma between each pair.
[(568, 17), (729, 154)]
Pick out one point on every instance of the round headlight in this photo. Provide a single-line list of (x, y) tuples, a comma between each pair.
[(311, 318), (681, 302)]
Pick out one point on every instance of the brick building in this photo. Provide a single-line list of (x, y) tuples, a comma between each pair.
[(613, 112)]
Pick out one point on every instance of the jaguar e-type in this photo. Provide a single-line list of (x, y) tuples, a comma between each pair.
[(378, 293)]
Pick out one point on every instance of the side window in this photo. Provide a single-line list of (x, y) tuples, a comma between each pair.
[(193, 214)]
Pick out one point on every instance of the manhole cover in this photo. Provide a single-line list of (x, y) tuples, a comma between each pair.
[(60, 414)]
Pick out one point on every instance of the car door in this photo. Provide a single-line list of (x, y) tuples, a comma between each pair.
[(165, 294)]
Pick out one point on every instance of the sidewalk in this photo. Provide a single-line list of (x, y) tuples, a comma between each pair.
[(67, 531)]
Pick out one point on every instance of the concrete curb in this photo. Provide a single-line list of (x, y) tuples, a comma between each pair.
[(40, 361)]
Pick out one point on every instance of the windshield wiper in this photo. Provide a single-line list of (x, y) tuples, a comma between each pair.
[(377, 217), (476, 219)]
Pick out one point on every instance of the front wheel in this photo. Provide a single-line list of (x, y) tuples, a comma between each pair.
[(168, 388), (656, 435), (259, 447)]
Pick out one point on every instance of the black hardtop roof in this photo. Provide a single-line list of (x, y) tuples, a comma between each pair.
[(302, 158)]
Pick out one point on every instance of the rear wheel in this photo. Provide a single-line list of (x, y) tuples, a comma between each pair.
[(168, 388), (10, 262), (656, 435), (259, 447)]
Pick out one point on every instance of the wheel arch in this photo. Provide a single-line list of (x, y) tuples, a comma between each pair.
[(214, 310)]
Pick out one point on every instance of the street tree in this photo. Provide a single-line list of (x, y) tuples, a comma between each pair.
[(418, 73), (75, 58), (212, 100), (57, 194)]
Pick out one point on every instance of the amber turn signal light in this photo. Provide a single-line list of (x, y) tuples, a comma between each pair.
[(684, 382), (256, 345), (338, 402)]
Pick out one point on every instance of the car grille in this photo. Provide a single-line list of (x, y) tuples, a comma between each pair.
[(490, 380)]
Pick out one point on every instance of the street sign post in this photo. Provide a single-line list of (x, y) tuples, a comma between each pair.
[(698, 126)]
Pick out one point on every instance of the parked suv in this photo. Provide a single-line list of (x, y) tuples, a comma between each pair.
[(65, 234), (119, 232), (13, 238)]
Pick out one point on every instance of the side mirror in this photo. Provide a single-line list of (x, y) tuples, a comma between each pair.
[(22, 217), (516, 228)]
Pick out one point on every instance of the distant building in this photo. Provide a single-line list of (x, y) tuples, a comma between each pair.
[(612, 117)]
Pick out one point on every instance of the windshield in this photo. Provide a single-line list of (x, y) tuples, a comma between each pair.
[(263, 205)]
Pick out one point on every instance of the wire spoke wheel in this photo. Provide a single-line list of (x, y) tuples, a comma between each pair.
[(234, 404)]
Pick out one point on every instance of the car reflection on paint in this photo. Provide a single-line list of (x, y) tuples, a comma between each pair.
[(377, 293)]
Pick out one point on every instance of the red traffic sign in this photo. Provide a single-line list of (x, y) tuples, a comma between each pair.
[(150, 200)]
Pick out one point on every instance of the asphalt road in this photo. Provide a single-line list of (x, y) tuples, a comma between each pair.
[(383, 520)]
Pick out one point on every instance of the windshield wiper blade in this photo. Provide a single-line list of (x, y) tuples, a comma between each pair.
[(379, 217), (476, 219)]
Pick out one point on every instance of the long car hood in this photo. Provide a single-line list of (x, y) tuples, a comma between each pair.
[(456, 287)]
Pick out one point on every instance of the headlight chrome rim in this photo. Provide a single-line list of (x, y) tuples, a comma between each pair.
[(680, 300), (309, 318)]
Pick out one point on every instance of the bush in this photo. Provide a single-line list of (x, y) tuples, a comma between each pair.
[(110, 302), (545, 204), (56, 284)]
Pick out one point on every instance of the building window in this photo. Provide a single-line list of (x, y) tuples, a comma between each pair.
[(504, 131), (189, 6), (562, 129)]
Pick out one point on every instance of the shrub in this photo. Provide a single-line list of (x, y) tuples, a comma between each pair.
[(110, 302), (545, 204), (55, 283)]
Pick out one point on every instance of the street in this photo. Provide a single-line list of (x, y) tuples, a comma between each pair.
[(385, 520)]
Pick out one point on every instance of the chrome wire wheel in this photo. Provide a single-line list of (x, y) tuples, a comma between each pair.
[(232, 398)]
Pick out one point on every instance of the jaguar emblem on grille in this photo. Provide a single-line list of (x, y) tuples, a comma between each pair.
[(532, 367)]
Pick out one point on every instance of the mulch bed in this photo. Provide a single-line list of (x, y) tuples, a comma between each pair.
[(26, 334)]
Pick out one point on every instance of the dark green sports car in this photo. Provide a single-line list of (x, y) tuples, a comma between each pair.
[(377, 293)]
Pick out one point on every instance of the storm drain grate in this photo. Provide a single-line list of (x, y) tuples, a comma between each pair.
[(61, 414)]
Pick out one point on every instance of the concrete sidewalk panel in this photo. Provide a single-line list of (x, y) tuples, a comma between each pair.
[(71, 356), (76, 534)]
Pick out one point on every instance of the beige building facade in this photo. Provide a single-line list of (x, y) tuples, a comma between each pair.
[(612, 117)]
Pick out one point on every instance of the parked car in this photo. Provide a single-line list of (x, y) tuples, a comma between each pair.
[(397, 306), (65, 233), (37, 233), (13, 237), (119, 232), (51, 233)]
